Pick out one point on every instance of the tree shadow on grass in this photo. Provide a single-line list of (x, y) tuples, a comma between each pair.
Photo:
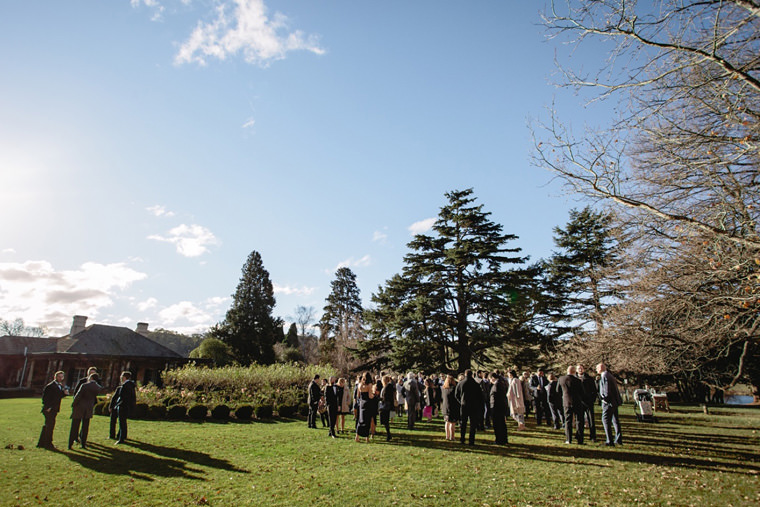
[(145, 465)]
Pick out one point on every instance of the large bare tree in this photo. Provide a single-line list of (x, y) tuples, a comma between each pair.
[(681, 164)]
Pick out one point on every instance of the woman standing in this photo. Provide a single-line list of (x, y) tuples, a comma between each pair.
[(429, 397), (449, 406), (516, 399), (365, 392), (387, 398), (400, 397), (345, 405)]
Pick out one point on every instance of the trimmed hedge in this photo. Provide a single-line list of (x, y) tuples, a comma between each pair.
[(264, 411), (141, 411), (156, 412), (198, 412), (221, 412), (244, 412), (176, 412)]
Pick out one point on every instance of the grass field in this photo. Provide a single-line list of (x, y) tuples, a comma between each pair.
[(687, 458)]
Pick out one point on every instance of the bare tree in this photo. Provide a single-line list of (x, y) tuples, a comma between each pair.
[(18, 328), (305, 317), (681, 164)]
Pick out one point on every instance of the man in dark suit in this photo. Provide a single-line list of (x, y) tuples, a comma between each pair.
[(125, 405), (82, 409), (554, 397), (113, 413), (315, 393), (82, 381), (539, 385), (611, 400), (572, 401), (470, 398), (589, 400), (333, 398), (51, 405), (498, 405)]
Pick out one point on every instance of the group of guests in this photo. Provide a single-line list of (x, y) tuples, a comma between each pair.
[(475, 400), (85, 395)]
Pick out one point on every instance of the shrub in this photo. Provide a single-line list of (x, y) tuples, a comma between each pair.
[(303, 409), (244, 412), (287, 410), (198, 412), (100, 408), (141, 411), (172, 400), (264, 411), (176, 412), (156, 412), (220, 412)]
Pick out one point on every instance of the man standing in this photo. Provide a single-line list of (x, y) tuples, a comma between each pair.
[(554, 397), (485, 386), (82, 381), (539, 385), (114, 414), (412, 399), (611, 400), (470, 398), (315, 393), (82, 408), (333, 398), (51, 405), (125, 405), (498, 403), (589, 400), (572, 401)]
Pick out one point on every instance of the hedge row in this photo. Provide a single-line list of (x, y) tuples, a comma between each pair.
[(201, 412)]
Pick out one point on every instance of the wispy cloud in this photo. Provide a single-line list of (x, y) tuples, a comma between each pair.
[(352, 263), (44, 296), (422, 226), (190, 240), (153, 5), (379, 236), (243, 27), (189, 317), (7, 251), (147, 304), (298, 291), (249, 123), (160, 211)]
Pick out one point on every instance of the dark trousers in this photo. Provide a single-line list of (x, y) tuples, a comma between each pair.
[(499, 427), (46, 435), (112, 424), (588, 415), (385, 420), (332, 418), (74, 432), (474, 419), (542, 411), (411, 416), (313, 415), (574, 415), (610, 420), (557, 416), (121, 414)]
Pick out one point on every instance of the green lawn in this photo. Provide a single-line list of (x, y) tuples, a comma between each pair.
[(687, 458)]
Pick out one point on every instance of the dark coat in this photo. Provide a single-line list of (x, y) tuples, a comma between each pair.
[(589, 389), (449, 405), (85, 399), (498, 398), (52, 396), (553, 394), (127, 398), (388, 397), (572, 391), (315, 393), (333, 396), (537, 381), (470, 397)]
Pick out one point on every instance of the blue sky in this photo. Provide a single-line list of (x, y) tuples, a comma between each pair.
[(148, 146)]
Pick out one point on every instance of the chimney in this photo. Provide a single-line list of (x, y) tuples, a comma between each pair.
[(142, 328), (78, 325)]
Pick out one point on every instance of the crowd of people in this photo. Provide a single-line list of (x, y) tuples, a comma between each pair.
[(85, 395), (472, 401)]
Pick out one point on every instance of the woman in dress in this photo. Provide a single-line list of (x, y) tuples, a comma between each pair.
[(429, 397), (449, 407), (345, 405), (365, 393), (400, 398), (516, 399), (387, 398)]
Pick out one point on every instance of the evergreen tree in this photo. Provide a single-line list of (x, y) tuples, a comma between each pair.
[(455, 299), (579, 276), (291, 339), (342, 317), (249, 327)]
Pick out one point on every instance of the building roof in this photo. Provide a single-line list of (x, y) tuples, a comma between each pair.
[(97, 339)]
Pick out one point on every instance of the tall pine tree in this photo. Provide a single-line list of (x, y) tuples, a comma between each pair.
[(249, 327), (456, 298), (342, 317)]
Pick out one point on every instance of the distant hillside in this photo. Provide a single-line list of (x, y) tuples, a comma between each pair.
[(180, 343)]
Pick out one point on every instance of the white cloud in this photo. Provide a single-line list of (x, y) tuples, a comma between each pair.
[(190, 240), (147, 304), (422, 226), (188, 317), (160, 211), (288, 290), (7, 251), (249, 123), (184, 311), (154, 5), (379, 236), (43, 296), (352, 263), (242, 26)]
